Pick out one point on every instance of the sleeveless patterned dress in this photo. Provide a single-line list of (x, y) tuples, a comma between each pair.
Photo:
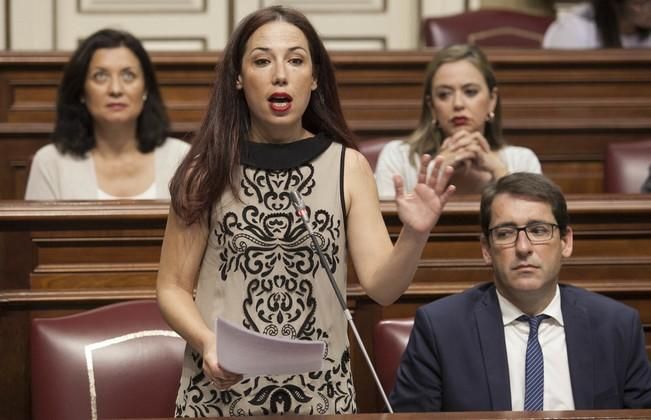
[(260, 270)]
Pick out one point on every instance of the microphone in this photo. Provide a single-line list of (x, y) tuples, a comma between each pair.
[(301, 211)]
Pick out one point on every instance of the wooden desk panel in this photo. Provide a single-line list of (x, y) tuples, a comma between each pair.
[(62, 257), (565, 105), (489, 415)]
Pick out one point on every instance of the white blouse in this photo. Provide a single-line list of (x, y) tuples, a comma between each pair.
[(394, 160), (576, 29)]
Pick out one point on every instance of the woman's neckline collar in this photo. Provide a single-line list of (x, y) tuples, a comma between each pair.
[(278, 156)]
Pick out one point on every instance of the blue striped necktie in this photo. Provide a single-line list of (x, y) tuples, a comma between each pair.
[(534, 376)]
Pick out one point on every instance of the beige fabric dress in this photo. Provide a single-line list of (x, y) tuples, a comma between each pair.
[(260, 271)]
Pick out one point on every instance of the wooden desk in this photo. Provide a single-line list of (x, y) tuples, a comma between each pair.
[(565, 105), (61, 257), (108, 245), (470, 415)]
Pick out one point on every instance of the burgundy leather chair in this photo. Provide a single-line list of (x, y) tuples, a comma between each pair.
[(626, 166), (120, 360), (389, 341), (487, 28), (371, 149)]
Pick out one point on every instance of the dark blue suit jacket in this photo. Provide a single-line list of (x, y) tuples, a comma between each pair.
[(456, 357)]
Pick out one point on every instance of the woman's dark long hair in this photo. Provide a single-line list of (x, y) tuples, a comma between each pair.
[(73, 131), (606, 19), (606, 15), (209, 167)]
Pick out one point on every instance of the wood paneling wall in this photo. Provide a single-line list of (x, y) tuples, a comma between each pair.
[(69, 256), (565, 105)]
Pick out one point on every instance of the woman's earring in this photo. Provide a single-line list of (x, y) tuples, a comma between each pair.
[(144, 96), (82, 100), (491, 116)]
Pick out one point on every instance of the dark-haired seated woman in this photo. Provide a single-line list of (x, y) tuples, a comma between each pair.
[(110, 138), (602, 24)]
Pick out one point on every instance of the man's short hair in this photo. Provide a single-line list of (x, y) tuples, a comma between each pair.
[(529, 185)]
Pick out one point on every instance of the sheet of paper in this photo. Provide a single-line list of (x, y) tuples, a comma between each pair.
[(250, 353)]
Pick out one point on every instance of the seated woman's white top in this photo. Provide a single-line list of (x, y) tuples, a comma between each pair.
[(576, 29), (394, 160), (148, 194), (56, 176)]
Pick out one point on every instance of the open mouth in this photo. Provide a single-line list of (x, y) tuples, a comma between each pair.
[(280, 102)]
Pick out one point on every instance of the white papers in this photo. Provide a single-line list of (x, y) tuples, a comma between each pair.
[(250, 353)]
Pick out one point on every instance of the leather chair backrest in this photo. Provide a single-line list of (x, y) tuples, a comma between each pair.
[(117, 361), (626, 166), (487, 28), (389, 341), (371, 149)]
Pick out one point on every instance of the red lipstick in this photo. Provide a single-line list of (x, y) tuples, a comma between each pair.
[(280, 102), (457, 121)]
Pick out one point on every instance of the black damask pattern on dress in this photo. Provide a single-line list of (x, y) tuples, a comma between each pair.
[(271, 395), (257, 242), (338, 385), (274, 397), (263, 260), (267, 246), (206, 400), (272, 188), (280, 306), (293, 393), (260, 240)]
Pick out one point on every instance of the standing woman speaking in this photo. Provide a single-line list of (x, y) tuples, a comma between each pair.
[(275, 125)]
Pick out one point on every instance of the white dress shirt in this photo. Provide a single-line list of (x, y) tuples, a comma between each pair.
[(551, 335)]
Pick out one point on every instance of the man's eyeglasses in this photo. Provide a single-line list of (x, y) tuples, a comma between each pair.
[(536, 233)]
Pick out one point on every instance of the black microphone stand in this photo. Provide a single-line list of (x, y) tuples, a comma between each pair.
[(301, 211)]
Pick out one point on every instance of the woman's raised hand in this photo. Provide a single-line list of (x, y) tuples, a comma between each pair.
[(420, 209)]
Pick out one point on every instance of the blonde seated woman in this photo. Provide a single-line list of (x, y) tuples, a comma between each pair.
[(109, 140), (460, 121)]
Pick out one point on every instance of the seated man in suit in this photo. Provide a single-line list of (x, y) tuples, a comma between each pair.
[(524, 342)]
